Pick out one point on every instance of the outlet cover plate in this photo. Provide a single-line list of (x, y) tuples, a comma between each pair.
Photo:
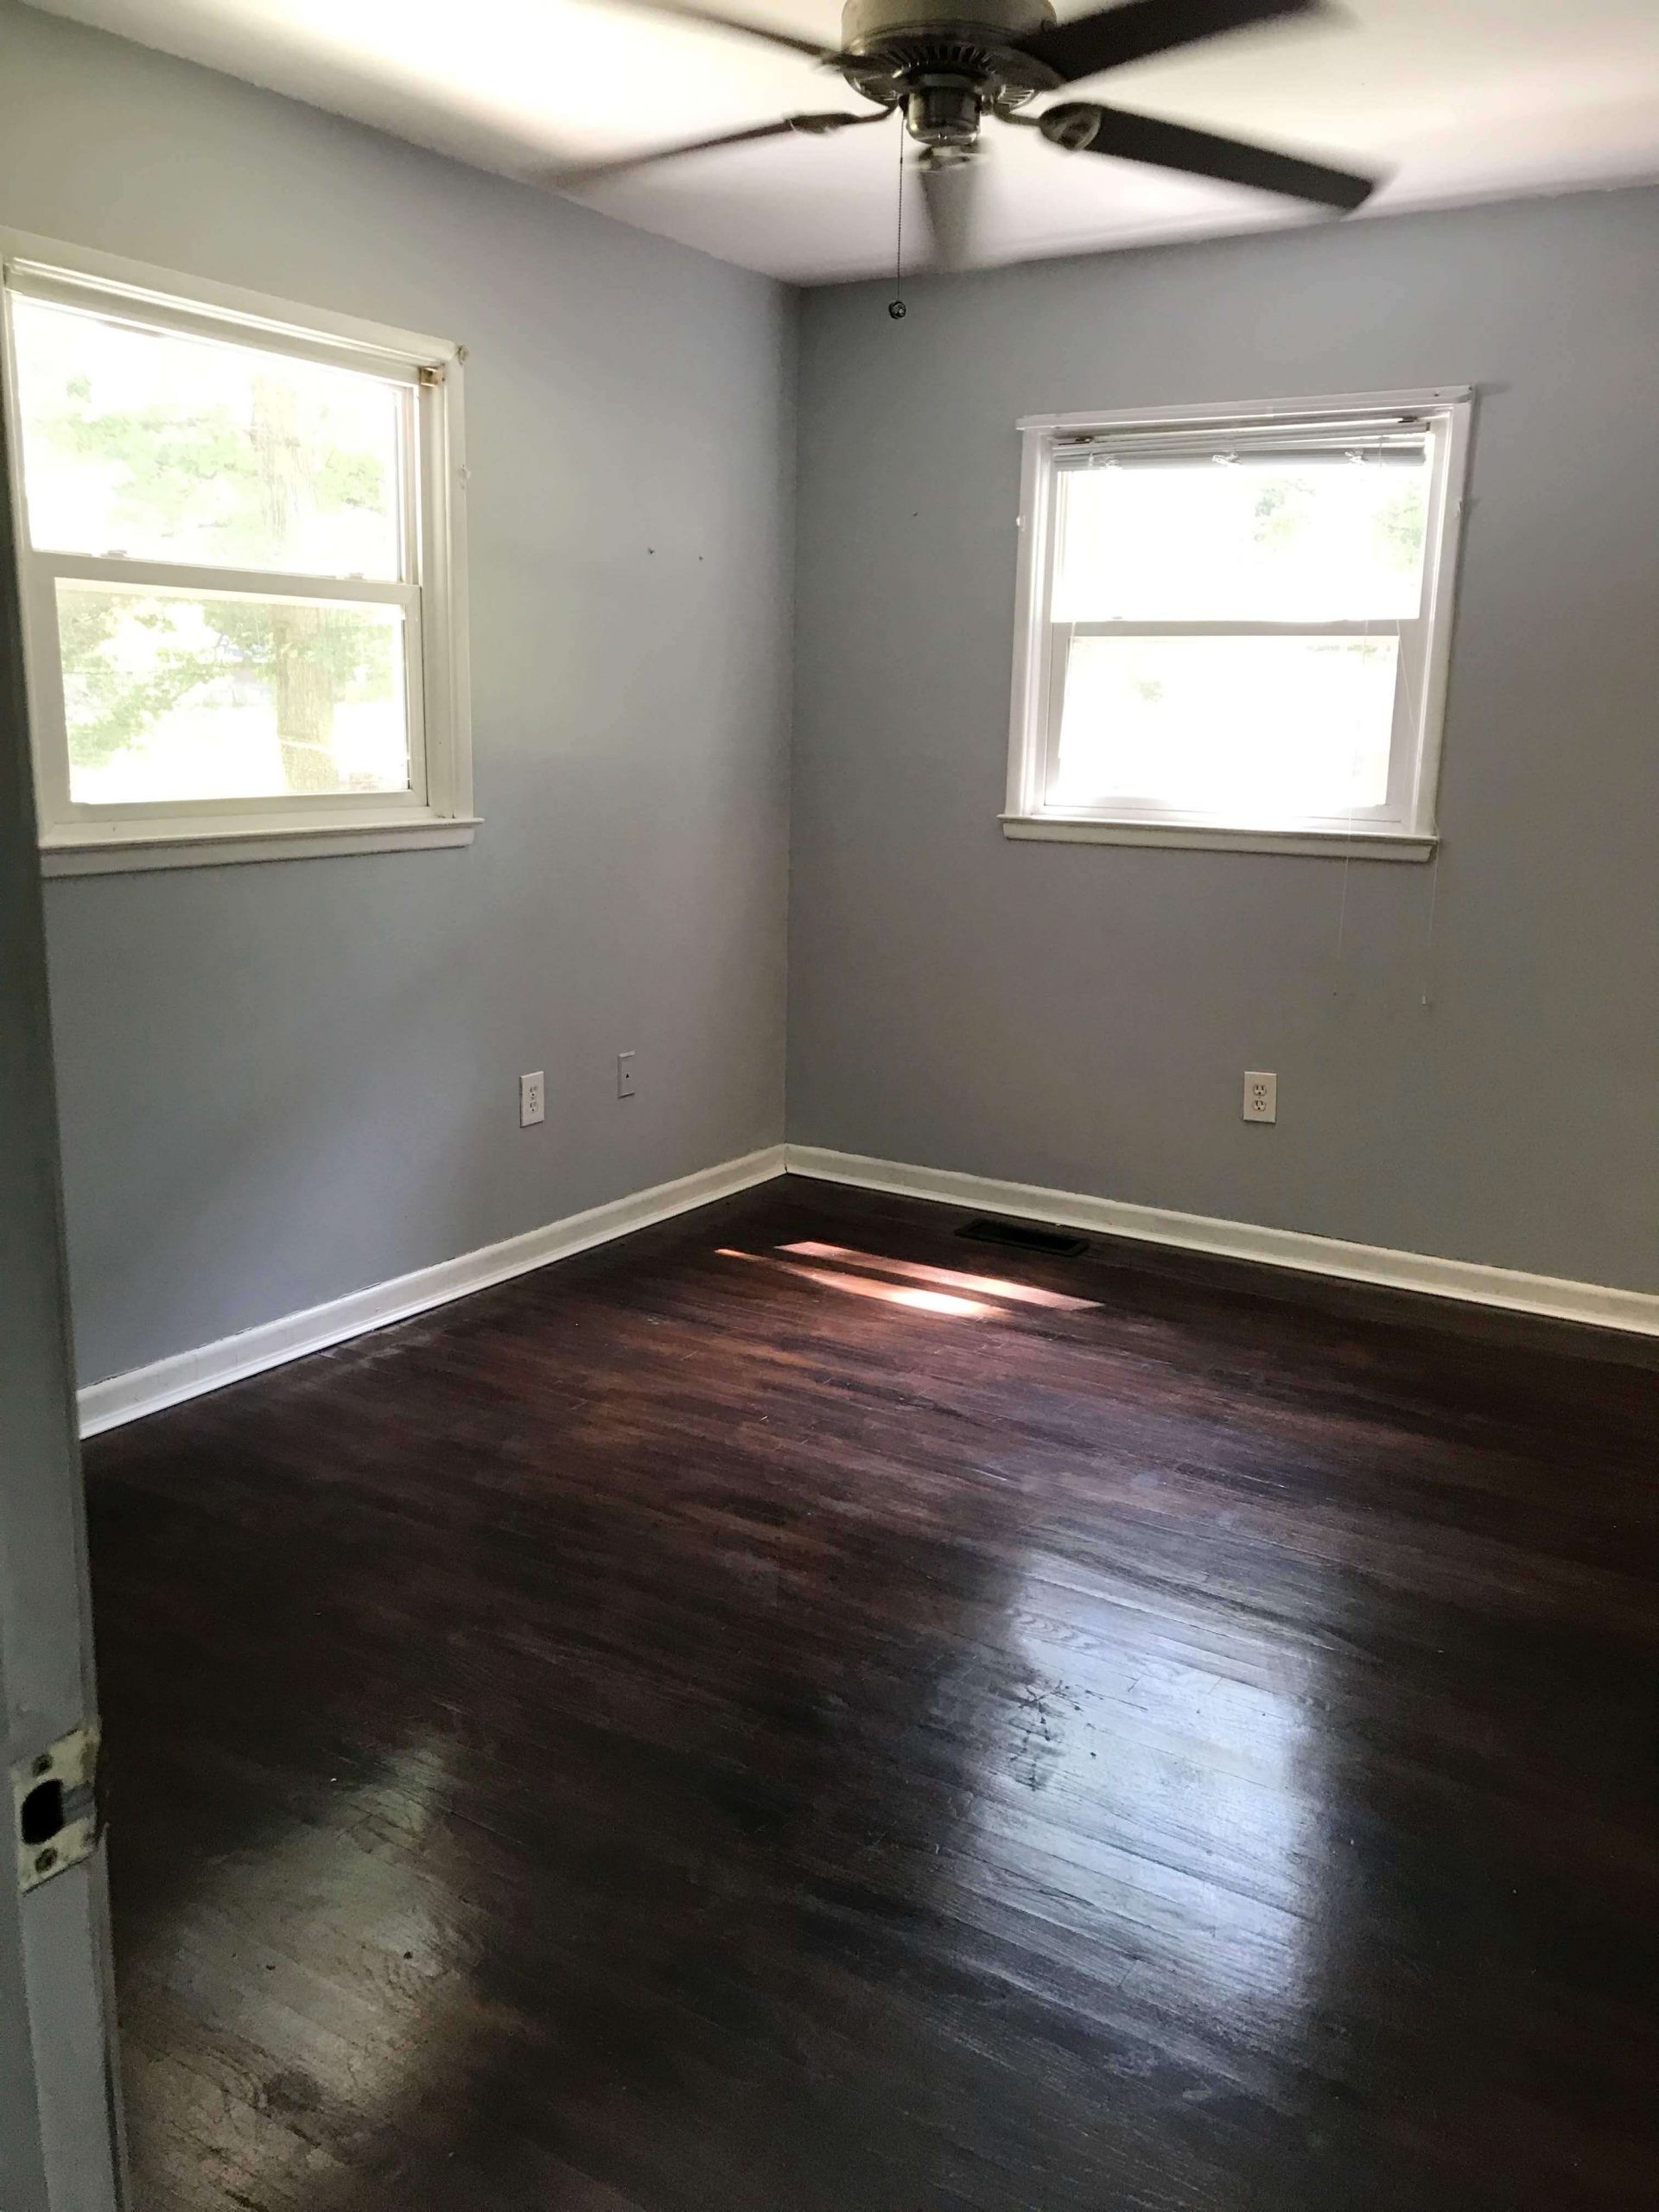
[(532, 1099), (1261, 1095)]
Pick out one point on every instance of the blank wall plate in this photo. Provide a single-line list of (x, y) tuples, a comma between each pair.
[(532, 1099), (625, 1075), (1261, 1095)]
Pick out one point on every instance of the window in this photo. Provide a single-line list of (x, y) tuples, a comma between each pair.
[(1234, 627), (240, 555)]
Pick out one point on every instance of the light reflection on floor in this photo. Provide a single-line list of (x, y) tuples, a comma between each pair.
[(952, 1292), (327, 1948), (1175, 1815), (1021, 1294), (920, 1301)]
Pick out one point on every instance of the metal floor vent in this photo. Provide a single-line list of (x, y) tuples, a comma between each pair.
[(1023, 1236)]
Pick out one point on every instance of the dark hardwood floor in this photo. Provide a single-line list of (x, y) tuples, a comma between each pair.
[(676, 1734)]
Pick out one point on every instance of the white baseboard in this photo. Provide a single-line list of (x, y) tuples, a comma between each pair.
[(1596, 1304), (188, 1374)]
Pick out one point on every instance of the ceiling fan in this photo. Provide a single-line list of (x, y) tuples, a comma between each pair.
[(946, 65)]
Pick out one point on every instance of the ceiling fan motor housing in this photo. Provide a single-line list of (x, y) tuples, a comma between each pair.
[(945, 61), (866, 23)]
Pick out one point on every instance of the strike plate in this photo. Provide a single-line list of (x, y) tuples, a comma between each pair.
[(55, 1808)]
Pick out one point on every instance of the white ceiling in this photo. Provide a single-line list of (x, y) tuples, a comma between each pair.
[(1458, 99)]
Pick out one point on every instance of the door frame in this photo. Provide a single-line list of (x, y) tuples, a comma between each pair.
[(61, 2130)]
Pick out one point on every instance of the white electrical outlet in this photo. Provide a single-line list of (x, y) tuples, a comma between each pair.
[(625, 1075), (1261, 1095), (532, 1099)]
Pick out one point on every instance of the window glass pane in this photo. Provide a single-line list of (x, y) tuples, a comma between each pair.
[(1319, 538), (173, 695), (163, 447), (1239, 729)]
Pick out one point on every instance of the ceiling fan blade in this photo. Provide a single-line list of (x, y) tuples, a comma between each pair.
[(951, 195), (1081, 127), (690, 12), (808, 126), (1139, 29)]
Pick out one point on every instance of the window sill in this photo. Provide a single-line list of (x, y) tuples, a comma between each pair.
[(1192, 836), (72, 854)]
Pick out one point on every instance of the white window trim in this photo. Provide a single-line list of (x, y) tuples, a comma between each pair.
[(1410, 832), (438, 809)]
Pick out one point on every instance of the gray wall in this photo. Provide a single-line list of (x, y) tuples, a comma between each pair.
[(283, 1082), (1081, 1016)]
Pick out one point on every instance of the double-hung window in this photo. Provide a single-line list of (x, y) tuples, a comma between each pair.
[(237, 527), (1235, 626)]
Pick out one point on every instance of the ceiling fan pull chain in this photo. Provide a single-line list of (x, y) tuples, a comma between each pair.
[(896, 307)]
